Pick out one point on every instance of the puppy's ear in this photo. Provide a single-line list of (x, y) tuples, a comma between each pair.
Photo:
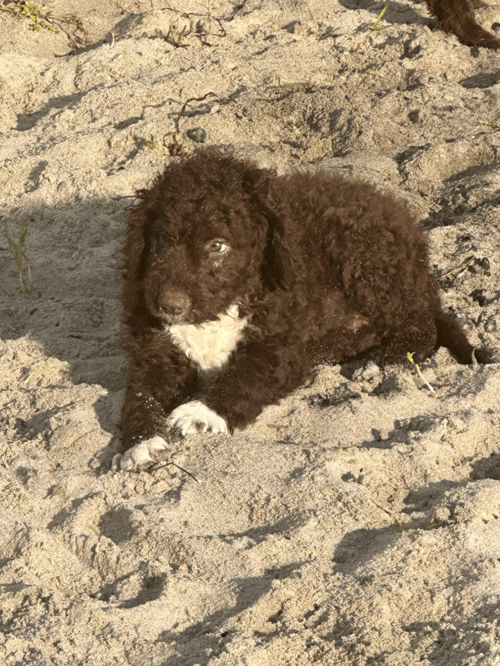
[(278, 267), (279, 263), (137, 241), (138, 234)]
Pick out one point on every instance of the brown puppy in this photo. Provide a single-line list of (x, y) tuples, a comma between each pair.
[(457, 16), (238, 281)]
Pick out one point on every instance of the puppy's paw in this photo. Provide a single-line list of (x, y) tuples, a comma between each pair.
[(139, 456), (194, 417)]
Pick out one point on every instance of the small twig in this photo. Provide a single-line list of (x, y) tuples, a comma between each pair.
[(386, 511), (277, 425), (495, 123), (457, 269), (184, 470), (188, 101), (410, 358), (160, 465), (175, 148)]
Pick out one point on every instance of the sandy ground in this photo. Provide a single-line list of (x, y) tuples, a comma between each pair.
[(357, 522)]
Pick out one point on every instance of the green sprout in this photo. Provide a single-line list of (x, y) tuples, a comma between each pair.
[(42, 18), (153, 144), (415, 365), (376, 25), (433, 523), (208, 6), (376, 70), (38, 16), (19, 256)]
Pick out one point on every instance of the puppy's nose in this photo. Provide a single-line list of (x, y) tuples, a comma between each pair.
[(174, 302)]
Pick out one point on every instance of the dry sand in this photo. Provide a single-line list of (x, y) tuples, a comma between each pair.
[(357, 522)]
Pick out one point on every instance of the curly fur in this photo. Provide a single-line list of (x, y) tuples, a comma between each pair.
[(457, 16), (238, 281)]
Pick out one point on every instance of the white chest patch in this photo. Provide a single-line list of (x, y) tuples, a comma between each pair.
[(210, 344)]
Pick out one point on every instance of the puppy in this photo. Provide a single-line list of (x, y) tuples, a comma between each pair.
[(238, 281)]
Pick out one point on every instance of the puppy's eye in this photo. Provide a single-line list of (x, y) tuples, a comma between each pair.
[(218, 247)]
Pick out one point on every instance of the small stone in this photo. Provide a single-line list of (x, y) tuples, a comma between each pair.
[(198, 134)]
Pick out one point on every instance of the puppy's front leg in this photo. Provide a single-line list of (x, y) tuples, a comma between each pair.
[(153, 390), (144, 426), (259, 374)]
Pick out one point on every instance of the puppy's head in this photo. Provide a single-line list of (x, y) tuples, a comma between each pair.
[(203, 238)]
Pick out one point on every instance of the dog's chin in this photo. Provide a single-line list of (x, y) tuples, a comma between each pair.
[(174, 320), (194, 318), (186, 319)]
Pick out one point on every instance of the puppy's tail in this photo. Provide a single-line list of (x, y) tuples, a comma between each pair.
[(451, 336), (457, 16)]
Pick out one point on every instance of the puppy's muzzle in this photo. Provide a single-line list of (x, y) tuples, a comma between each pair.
[(174, 303)]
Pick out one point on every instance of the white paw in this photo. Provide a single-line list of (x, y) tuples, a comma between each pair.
[(139, 455), (194, 417)]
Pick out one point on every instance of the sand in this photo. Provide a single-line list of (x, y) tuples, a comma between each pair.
[(357, 522)]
